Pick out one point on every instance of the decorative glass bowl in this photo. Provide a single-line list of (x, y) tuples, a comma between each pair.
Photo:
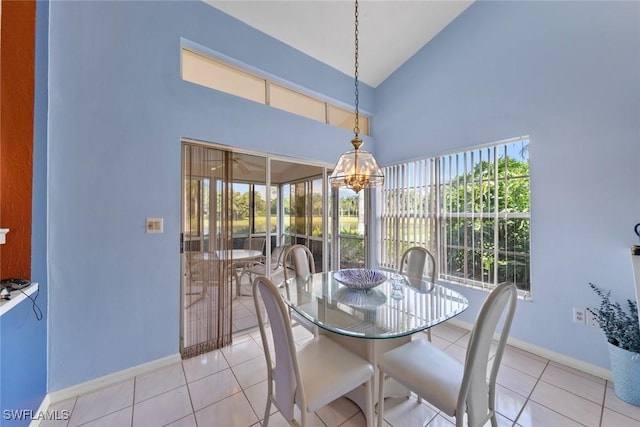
[(360, 278), (366, 299)]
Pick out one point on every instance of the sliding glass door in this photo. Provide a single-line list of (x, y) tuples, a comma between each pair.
[(234, 201)]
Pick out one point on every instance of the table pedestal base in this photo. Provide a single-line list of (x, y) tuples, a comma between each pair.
[(370, 349)]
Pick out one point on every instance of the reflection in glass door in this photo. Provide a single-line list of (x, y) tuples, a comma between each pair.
[(351, 227), (234, 202), (304, 215), (197, 204)]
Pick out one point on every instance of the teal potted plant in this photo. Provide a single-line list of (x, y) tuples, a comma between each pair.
[(621, 328)]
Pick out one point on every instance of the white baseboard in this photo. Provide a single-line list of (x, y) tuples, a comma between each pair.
[(116, 377), (547, 354), (110, 379)]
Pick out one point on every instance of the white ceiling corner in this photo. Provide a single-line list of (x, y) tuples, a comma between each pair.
[(390, 31)]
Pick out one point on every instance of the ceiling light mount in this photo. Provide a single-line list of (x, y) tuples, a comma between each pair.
[(356, 169)]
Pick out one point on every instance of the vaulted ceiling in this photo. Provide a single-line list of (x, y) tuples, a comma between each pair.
[(390, 31)]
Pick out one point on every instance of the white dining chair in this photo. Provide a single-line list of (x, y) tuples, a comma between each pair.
[(412, 264), (309, 377), (413, 261), (242, 267), (254, 243), (454, 388), (201, 271), (300, 258), (259, 268)]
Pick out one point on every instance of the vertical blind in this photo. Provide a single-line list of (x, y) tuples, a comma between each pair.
[(471, 210)]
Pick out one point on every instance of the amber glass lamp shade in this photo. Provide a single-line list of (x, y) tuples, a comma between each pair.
[(356, 169)]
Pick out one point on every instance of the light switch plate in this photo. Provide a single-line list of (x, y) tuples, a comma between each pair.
[(154, 225)]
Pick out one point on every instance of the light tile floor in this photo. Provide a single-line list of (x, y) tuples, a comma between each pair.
[(227, 388), (199, 309), (244, 312)]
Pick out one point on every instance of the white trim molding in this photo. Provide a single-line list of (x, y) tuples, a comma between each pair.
[(547, 354), (114, 378), (101, 382)]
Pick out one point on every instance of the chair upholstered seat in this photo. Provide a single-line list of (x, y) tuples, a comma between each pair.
[(324, 381), (440, 374)]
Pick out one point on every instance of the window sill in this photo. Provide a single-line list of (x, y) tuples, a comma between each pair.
[(522, 295)]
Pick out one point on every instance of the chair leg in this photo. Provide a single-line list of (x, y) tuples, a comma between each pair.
[(380, 397), (429, 338), (238, 281), (267, 411), (368, 406)]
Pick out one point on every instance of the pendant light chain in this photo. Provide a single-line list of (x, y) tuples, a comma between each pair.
[(356, 128), (356, 169)]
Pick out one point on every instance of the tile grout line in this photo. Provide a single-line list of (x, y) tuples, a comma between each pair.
[(73, 407), (604, 399), (633, 417), (243, 390), (133, 400), (531, 393), (567, 391), (576, 395), (186, 383)]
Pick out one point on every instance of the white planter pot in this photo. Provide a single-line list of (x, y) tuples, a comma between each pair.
[(625, 367)]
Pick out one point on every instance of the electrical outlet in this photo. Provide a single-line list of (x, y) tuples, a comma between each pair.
[(591, 319), (579, 316)]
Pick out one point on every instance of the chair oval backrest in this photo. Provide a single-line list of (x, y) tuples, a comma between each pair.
[(284, 372), (475, 388), (277, 256), (202, 267), (413, 261), (255, 243), (301, 260)]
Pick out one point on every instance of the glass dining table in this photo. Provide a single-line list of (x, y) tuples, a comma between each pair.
[(241, 259), (370, 322)]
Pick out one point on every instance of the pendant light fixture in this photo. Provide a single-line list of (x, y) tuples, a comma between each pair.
[(356, 169)]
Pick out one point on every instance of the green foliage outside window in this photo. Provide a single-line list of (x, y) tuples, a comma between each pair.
[(490, 200), (351, 249)]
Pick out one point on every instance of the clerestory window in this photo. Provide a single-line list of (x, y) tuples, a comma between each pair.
[(213, 73)]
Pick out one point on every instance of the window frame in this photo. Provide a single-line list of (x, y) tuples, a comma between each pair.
[(413, 212)]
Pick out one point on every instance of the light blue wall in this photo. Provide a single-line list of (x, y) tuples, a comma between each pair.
[(23, 338), (117, 112), (568, 75), (564, 73), (22, 363)]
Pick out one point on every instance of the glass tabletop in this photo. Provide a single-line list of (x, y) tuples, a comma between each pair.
[(397, 307)]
